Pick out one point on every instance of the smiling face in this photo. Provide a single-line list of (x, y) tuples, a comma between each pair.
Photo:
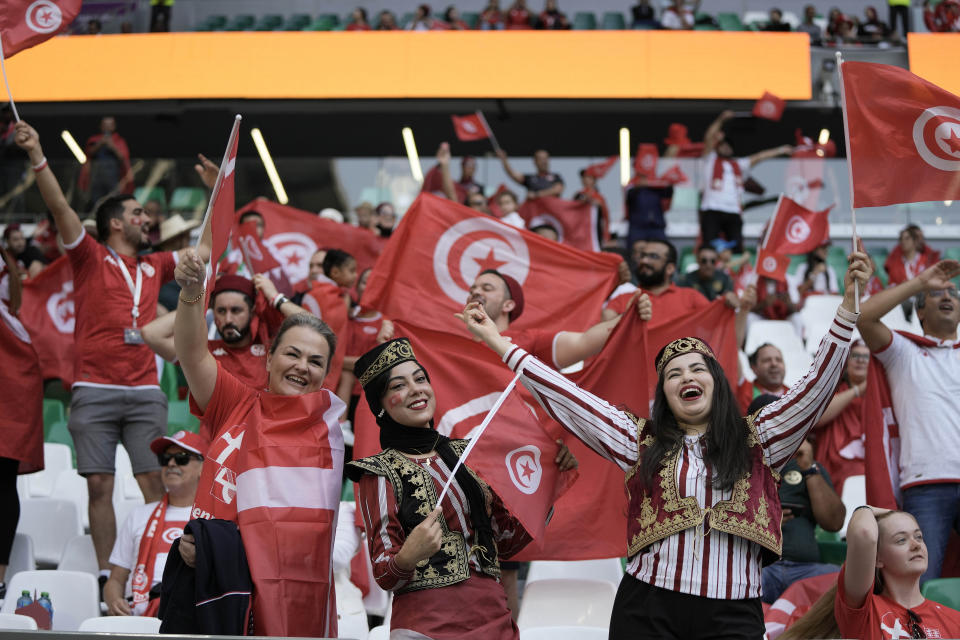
[(769, 367), (299, 363), (181, 480), (940, 311), (408, 398), (688, 387), (901, 551)]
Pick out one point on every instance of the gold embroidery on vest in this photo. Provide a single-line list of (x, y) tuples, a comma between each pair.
[(760, 514), (647, 513), (644, 442)]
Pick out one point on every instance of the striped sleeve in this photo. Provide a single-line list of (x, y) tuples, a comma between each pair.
[(385, 536), (784, 424), (594, 421)]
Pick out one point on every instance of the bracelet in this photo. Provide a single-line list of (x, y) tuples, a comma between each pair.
[(194, 301), (278, 301), (40, 166), (856, 391)]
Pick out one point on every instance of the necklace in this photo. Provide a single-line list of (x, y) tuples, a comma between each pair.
[(429, 461)]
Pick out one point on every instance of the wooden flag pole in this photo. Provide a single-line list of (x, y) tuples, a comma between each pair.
[(493, 138), (3, 68), (846, 139)]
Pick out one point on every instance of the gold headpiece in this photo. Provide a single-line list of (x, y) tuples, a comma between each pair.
[(391, 354), (681, 346)]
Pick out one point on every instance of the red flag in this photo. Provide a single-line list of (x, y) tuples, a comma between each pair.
[(904, 136), (222, 213), (433, 183), (48, 314), (769, 107), (674, 175), (470, 127), (600, 169), (433, 257), (27, 23), (796, 230), (645, 164), (881, 437), (325, 300), (772, 265), (796, 601), (292, 236), (574, 220), (259, 259)]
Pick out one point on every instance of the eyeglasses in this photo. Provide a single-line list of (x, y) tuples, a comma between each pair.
[(862, 357), (182, 458), (939, 293), (916, 631)]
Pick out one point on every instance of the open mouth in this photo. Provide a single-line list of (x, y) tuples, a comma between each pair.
[(691, 392), (946, 306), (418, 405), (296, 380), (919, 556)]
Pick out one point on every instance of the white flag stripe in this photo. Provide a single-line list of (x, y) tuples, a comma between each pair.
[(304, 487)]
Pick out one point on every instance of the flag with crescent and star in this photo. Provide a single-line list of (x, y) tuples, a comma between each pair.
[(27, 23)]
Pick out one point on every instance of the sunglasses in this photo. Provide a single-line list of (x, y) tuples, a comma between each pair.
[(182, 458), (916, 631)]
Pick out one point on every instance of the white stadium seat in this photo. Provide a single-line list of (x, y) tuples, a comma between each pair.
[(564, 602), (854, 495), (379, 633), (79, 555), (817, 314), (50, 522), (781, 334), (120, 624), (70, 485), (565, 633), (21, 556), (75, 596), (56, 458), (608, 569), (17, 622)]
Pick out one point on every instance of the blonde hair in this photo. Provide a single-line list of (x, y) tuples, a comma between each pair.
[(818, 622)]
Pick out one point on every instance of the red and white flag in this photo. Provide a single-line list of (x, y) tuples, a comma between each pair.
[(293, 235), (440, 247), (48, 314), (222, 205), (796, 230), (574, 220), (27, 23), (796, 601), (769, 107), (645, 162), (881, 435), (259, 259), (600, 169), (772, 265), (903, 136), (470, 127)]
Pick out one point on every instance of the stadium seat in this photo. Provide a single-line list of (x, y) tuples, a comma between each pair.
[(729, 22), (188, 200), (613, 20), (705, 27), (73, 594), (145, 195), (21, 556), (946, 591), (56, 458), (36, 514), (565, 633), (79, 555), (213, 23), (854, 495), (951, 253), (379, 633), (817, 314), (179, 417), (53, 412), (832, 549), (562, 602), (685, 199), (125, 486), (346, 494), (688, 260), (781, 333), (608, 569), (297, 22), (60, 434), (170, 382), (755, 19), (269, 22), (471, 18), (120, 624), (240, 22), (14, 621), (584, 20), (406, 19), (70, 485)]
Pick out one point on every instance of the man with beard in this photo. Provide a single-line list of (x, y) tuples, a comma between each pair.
[(116, 394), (655, 269)]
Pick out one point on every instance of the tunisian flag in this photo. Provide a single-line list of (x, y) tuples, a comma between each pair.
[(769, 107), (26, 23), (48, 314), (221, 209), (259, 259), (881, 436), (470, 127), (439, 248), (574, 220), (904, 136), (294, 235), (795, 230), (772, 265)]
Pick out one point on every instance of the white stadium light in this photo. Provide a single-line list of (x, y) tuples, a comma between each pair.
[(73, 146), (261, 146)]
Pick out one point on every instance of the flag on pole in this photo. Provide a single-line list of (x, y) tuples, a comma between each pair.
[(772, 265), (220, 210), (27, 23), (903, 136), (470, 127), (48, 314), (645, 162), (600, 169), (769, 107), (796, 230)]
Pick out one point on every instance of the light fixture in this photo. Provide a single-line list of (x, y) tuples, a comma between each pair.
[(947, 203), (74, 147), (624, 156), (824, 136), (261, 146), (412, 154)]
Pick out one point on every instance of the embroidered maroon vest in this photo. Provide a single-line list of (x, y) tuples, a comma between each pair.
[(753, 512)]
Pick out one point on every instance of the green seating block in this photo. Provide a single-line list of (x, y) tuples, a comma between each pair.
[(705, 27), (213, 23), (729, 22), (946, 591), (269, 22), (322, 23), (188, 199), (613, 20), (241, 22), (584, 20), (60, 434), (346, 495), (145, 195), (687, 259), (179, 417), (169, 381), (297, 22), (53, 412), (332, 17), (832, 551)]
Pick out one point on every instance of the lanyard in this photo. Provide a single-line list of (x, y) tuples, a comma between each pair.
[(135, 290)]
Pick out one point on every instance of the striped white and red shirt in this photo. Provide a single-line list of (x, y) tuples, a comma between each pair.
[(712, 564)]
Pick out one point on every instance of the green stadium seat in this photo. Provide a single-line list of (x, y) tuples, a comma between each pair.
[(323, 23), (188, 199), (170, 382), (145, 195), (472, 18), (60, 434), (406, 19), (332, 17), (241, 22), (297, 22), (179, 417), (213, 23), (584, 20), (613, 20), (952, 253), (687, 259), (346, 494), (53, 413), (705, 27), (833, 550), (729, 22), (795, 262), (269, 22), (946, 591)]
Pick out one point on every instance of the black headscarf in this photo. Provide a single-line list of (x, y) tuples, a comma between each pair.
[(373, 370)]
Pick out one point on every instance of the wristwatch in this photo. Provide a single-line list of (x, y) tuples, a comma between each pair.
[(813, 470)]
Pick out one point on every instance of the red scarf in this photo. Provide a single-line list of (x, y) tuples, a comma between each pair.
[(896, 266), (157, 538), (718, 162), (836, 435)]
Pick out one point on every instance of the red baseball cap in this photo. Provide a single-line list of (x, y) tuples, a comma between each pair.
[(187, 440)]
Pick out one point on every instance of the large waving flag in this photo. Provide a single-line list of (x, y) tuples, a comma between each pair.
[(27, 23), (904, 136), (48, 314), (574, 220)]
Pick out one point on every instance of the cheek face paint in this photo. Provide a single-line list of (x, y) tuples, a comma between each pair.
[(394, 399)]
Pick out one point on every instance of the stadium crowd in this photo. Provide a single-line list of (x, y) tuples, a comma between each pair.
[(277, 371)]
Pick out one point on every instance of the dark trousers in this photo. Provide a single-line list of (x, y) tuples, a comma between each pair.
[(159, 18), (715, 223), (904, 12), (9, 506), (644, 612)]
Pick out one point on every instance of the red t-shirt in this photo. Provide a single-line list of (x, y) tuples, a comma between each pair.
[(883, 619), (103, 303), (671, 302), (537, 342), (747, 391), (247, 364)]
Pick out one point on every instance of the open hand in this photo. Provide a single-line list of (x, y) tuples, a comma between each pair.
[(207, 171), (939, 275)]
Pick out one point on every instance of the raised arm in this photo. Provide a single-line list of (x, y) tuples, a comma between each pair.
[(574, 346), (766, 154), (190, 330), (860, 566), (159, 336), (516, 177), (443, 160), (714, 133), (594, 421), (875, 334), (840, 401), (269, 290), (67, 221)]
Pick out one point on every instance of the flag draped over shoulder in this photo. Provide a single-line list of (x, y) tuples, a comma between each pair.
[(904, 136), (27, 23), (48, 315)]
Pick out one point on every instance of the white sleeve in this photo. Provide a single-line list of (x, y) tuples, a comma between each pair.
[(347, 538), (895, 352), (124, 553)]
